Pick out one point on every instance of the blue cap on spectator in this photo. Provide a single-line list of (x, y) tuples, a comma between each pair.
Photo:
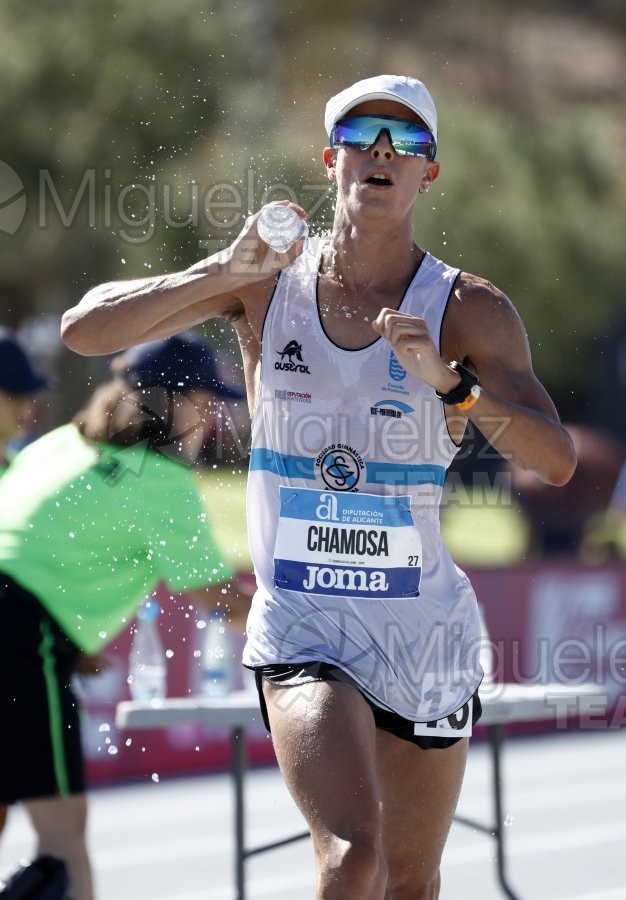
[(17, 375), (184, 361)]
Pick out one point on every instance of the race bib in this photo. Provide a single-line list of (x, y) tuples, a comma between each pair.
[(347, 544), (457, 724)]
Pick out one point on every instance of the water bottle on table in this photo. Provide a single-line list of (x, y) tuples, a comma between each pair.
[(486, 657), (217, 658), (147, 673)]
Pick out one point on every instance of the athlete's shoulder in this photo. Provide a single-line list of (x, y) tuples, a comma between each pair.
[(479, 314), (475, 298)]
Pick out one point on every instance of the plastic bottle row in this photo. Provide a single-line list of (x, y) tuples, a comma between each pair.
[(147, 668), (147, 664)]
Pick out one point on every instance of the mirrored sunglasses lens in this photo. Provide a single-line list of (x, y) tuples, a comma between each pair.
[(356, 133), (407, 138), (406, 148)]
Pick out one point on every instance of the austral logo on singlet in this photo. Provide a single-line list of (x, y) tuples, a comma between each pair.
[(293, 350), (340, 467)]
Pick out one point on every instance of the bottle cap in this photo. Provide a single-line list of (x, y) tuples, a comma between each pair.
[(149, 610), (280, 227)]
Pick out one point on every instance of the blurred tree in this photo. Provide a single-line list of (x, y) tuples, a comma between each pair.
[(139, 134), (106, 101), (533, 204), (102, 98)]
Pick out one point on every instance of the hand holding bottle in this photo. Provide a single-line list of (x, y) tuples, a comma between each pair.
[(280, 227)]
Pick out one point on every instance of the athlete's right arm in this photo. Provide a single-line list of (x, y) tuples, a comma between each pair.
[(118, 315)]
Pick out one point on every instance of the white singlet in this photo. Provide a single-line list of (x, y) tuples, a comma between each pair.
[(349, 454)]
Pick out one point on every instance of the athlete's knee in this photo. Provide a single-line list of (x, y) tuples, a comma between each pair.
[(413, 884), (357, 864)]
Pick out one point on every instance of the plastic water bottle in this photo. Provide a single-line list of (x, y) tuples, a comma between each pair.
[(280, 227), (217, 658), (147, 671), (486, 650)]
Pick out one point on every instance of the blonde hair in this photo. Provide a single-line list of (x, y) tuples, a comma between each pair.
[(118, 412), (94, 419)]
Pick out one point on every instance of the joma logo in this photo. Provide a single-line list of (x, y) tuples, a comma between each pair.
[(345, 580)]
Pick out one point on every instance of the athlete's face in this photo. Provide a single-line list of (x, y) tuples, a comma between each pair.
[(377, 182)]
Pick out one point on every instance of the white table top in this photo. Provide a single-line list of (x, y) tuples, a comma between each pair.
[(501, 703)]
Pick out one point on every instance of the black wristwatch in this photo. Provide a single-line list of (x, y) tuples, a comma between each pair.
[(469, 386)]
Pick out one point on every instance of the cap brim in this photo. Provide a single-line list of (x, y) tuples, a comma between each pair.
[(32, 385), (224, 392)]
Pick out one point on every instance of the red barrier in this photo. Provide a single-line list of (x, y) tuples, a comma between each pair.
[(559, 621), (548, 621), (541, 615)]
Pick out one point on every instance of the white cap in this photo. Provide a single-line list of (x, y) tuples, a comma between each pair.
[(401, 88)]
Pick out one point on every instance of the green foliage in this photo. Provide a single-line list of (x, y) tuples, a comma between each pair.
[(145, 132), (108, 92), (97, 83), (535, 208)]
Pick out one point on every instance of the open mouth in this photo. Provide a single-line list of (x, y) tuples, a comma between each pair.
[(379, 179)]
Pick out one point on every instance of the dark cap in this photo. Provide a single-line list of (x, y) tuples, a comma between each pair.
[(184, 361), (17, 375)]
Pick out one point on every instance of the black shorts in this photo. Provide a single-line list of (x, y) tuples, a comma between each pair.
[(292, 675), (39, 714)]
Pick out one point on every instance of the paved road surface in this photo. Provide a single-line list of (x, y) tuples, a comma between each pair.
[(565, 805)]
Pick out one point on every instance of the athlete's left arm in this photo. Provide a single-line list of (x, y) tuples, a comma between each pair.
[(514, 412)]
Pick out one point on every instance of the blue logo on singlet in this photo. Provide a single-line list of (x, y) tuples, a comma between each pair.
[(396, 372), (382, 405)]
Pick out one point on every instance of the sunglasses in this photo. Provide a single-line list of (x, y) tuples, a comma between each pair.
[(362, 132)]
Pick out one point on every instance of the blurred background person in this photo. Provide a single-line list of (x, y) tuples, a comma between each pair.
[(19, 383), (496, 514), (560, 519), (93, 516), (605, 533), (618, 498)]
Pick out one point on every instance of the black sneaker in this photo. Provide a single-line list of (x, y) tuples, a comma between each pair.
[(45, 878)]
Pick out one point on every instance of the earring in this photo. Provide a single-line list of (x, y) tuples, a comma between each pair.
[(425, 188)]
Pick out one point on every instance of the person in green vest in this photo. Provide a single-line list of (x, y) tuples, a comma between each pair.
[(19, 382), (93, 516)]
